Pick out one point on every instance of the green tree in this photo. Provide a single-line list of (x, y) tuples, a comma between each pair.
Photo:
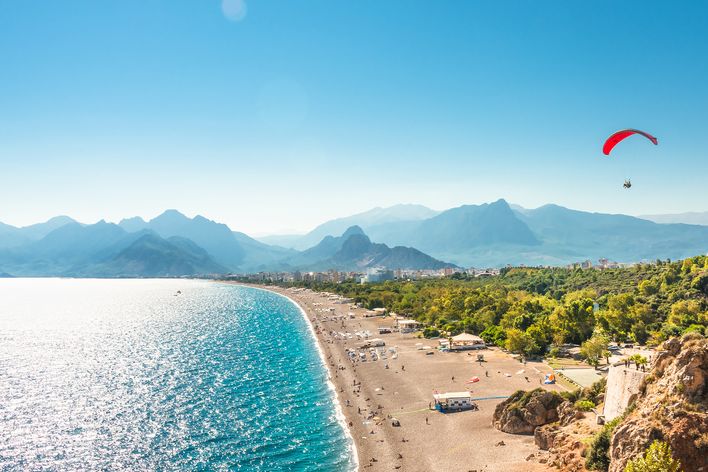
[(639, 332), (658, 458), (520, 342), (649, 287), (595, 348), (685, 313)]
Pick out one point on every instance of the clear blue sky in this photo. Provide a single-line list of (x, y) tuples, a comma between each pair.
[(278, 115)]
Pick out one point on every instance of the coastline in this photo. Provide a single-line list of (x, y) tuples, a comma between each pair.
[(368, 396), (338, 409)]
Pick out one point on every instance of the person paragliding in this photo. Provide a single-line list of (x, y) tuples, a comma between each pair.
[(619, 136)]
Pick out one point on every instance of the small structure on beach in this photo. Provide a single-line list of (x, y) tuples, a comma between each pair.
[(453, 401), (373, 343), (466, 341), (407, 326)]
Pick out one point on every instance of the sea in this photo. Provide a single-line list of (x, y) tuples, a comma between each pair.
[(162, 375)]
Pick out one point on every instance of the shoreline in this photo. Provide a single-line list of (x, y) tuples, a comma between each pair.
[(371, 394), (338, 406)]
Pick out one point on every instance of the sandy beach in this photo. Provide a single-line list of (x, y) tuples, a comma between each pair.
[(372, 393)]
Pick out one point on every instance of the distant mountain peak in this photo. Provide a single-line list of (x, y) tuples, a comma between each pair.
[(60, 220), (134, 219), (133, 224), (365, 220), (356, 229), (170, 214)]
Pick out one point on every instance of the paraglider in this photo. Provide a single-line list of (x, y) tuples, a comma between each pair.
[(623, 134), (619, 136)]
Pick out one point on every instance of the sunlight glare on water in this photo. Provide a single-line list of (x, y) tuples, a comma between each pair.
[(128, 374)]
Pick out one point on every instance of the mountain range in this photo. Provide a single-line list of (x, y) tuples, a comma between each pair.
[(689, 218), (495, 234), (406, 236), (175, 245)]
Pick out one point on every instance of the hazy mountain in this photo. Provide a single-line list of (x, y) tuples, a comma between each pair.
[(40, 230), (234, 250), (466, 234), (218, 240), (470, 226), (575, 235), (374, 217), (357, 252), (259, 256), (326, 248), (106, 250), (74, 243), (75, 249), (494, 234), (64, 248), (282, 240), (11, 236), (690, 218), (133, 224), (490, 234), (152, 256)]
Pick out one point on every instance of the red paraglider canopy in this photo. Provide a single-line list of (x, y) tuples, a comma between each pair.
[(623, 134)]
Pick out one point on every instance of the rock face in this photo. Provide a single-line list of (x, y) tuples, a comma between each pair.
[(672, 408), (623, 387), (524, 411), (566, 447), (567, 413), (564, 439)]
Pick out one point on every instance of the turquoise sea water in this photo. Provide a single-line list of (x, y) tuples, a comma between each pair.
[(127, 375)]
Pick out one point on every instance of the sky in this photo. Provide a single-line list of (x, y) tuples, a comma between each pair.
[(274, 116)]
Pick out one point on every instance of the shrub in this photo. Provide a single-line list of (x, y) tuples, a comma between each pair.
[(598, 457), (658, 458), (584, 405), (572, 396), (595, 391), (494, 335), (431, 332)]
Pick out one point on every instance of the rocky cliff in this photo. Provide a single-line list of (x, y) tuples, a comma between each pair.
[(672, 407), (523, 411)]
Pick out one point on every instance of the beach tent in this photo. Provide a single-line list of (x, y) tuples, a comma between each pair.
[(550, 379), (466, 341)]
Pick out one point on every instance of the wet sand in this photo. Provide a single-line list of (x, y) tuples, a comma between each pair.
[(370, 395)]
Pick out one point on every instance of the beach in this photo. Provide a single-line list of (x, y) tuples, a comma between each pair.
[(374, 393)]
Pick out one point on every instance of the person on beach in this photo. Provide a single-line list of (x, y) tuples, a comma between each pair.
[(426, 420)]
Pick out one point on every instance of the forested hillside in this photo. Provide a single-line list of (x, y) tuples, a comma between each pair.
[(529, 310)]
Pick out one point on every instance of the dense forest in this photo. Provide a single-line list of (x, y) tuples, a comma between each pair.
[(531, 310)]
